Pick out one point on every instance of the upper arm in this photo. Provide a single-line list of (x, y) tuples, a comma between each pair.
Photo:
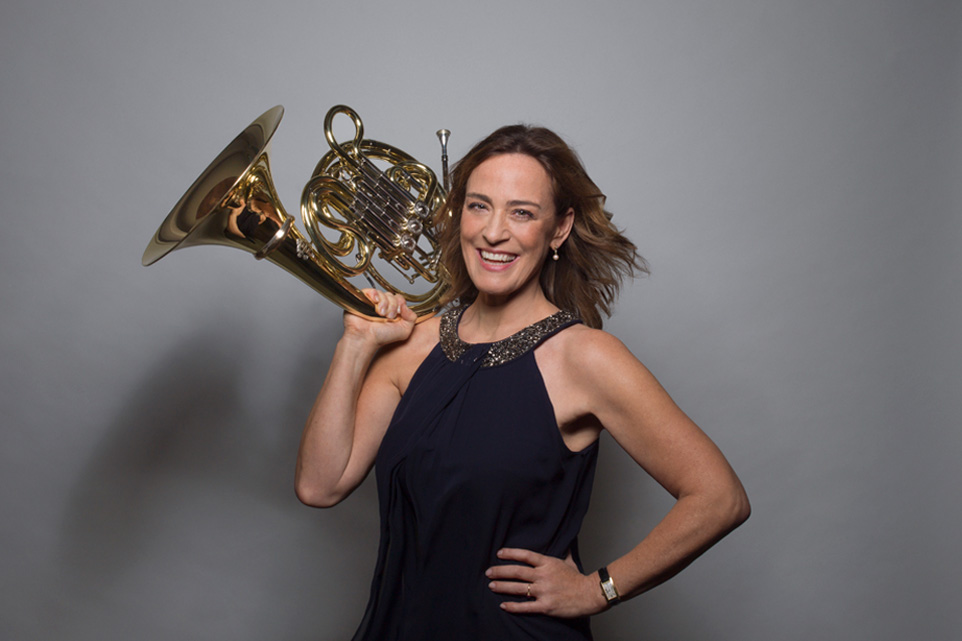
[(377, 400), (384, 384), (628, 402)]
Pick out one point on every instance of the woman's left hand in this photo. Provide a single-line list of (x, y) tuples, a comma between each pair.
[(552, 586)]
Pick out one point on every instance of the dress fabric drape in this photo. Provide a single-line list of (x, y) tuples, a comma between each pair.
[(473, 461)]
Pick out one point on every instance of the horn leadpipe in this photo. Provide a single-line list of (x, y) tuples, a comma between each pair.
[(443, 135)]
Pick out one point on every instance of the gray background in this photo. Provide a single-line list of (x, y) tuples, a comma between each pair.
[(789, 167)]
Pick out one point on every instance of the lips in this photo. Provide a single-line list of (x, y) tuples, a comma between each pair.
[(496, 259)]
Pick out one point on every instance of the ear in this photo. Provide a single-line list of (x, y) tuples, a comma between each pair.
[(565, 222)]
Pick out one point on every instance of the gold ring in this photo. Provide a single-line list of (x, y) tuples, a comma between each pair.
[(528, 592)]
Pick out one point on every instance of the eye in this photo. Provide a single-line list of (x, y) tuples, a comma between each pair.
[(476, 206), (524, 214)]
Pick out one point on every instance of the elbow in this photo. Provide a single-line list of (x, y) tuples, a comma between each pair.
[(737, 507), (312, 496), (744, 511), (725, 506)]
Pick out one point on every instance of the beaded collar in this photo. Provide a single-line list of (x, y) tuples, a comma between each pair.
[(506, 349)]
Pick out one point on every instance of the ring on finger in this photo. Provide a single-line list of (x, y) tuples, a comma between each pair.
[(528, 591)]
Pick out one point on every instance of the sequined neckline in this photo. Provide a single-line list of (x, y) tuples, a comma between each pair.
[(506, 349)]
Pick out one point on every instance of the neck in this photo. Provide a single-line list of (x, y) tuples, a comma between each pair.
[(490, 319)]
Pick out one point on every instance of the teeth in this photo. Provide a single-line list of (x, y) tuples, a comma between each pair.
[(492, 257)]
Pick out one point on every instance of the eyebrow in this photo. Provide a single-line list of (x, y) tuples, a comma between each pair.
[(511, 203)]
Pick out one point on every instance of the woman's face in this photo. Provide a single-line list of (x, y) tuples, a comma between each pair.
[(509, 224)]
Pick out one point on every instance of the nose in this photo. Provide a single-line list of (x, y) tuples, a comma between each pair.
[(495, 229)]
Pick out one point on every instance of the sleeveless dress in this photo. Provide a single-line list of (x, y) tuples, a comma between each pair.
[(473, 461)]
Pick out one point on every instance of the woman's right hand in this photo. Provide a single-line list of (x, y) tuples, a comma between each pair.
[(397, 325)]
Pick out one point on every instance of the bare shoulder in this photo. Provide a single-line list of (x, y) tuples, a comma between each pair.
[(590, 353), (589, 375), (599, 373)]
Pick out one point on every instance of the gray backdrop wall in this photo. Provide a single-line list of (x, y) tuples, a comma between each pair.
[(790, 168)]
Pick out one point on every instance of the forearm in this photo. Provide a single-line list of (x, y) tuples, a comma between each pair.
[(556, 587), (328, 440), (694, 524)]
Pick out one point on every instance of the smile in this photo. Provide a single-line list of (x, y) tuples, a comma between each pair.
[(496, 258)]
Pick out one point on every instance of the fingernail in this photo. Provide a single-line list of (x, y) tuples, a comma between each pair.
[(487, 573)]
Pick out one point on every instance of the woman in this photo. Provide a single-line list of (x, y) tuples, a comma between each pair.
[(484, 422)]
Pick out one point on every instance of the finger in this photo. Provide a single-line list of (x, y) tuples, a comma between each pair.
[(390, 305), (407, 313), (522, 607), (514, 588), (397, 303), (377, 299), (385, 304), (512, 573), (522, 555)]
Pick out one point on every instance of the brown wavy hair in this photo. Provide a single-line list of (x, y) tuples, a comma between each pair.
[(595, 257)]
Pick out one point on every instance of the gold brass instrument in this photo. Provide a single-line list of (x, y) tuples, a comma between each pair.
[(365, 200)]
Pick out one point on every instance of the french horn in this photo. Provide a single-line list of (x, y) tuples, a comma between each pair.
[(368, 209)]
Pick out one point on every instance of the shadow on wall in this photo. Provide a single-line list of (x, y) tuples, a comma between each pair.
[(186, 424), (189, 501), (191, 493)]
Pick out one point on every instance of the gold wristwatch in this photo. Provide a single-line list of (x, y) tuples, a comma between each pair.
[(608, 587)]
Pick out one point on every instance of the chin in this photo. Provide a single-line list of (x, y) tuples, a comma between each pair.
[(503, 291)]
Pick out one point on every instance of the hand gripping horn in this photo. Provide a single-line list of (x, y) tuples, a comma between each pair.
[(365, 200)]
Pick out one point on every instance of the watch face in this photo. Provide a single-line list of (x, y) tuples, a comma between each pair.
[(609, 590)]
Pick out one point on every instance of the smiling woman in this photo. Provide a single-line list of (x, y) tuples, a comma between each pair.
[(508, 224), (483, 423), (596, 255)]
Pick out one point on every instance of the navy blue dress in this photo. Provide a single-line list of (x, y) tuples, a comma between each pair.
[(473, 461)]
